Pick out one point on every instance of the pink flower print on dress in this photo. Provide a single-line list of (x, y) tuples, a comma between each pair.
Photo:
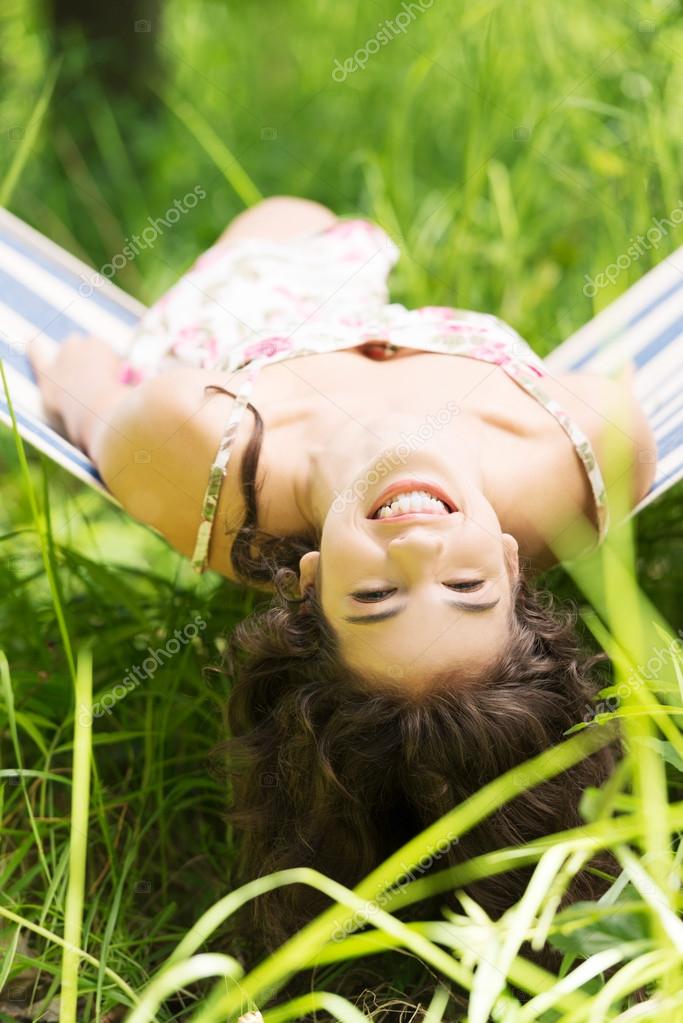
[(196, 342), (349, 228), (359, 234), (352, 321), (467, 329), (491, 352), (287, 292), (438, 312), (353, 255), (128, 374), (293, 303), (267, 347), (210, 347), (193, 333)]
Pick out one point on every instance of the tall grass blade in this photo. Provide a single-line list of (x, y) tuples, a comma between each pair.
[(214, 146), (73, 914), (20, 158), (41, 529)]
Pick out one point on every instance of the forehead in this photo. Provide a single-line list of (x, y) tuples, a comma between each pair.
[(421, 642)]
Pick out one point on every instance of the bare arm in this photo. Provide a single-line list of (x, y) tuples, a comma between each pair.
[(155, 452), (610, 412), (153, 444)]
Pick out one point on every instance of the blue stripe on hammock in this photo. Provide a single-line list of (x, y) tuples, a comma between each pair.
[(667, 409), (17, 361), (604, 342), (663, 340), (53, 439), (69, 277), (664, 483), (33, 309), (670, 442), (31, 306)]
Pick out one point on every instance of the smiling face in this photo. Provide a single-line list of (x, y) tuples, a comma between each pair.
[(416, 578)]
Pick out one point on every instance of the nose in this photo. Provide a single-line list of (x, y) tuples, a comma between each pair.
[(415, 551)]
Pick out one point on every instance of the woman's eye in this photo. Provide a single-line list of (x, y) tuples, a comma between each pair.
[(466, 587), (370, 596)]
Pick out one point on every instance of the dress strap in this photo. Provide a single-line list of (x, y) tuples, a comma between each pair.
[(525, 377), (219, 468)]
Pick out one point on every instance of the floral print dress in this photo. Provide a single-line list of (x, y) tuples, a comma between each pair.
[(257, 301)]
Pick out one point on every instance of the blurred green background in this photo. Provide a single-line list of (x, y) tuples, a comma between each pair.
[(511, 149)]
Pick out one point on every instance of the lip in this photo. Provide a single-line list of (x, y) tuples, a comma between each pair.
[(412, 484)]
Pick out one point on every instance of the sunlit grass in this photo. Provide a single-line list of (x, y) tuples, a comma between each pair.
[(509, 153)]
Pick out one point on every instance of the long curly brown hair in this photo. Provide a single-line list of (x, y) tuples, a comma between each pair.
[(328, 772)]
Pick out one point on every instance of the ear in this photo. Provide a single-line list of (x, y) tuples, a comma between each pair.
[(511, 548), (308, 569)]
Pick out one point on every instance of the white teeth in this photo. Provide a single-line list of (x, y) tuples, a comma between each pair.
[(412, 501)]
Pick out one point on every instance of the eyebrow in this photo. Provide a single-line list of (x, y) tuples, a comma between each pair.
[(381, 616)]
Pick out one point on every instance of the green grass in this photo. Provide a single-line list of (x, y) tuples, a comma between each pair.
[(510, 149)]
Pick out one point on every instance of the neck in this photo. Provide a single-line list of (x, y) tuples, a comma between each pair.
[(334, 468)]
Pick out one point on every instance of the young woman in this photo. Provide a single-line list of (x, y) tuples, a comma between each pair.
[(404, 471)]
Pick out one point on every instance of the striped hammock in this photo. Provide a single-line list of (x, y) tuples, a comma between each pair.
[(45, 290)]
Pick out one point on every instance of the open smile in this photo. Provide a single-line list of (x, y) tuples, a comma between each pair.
[(412, 499)]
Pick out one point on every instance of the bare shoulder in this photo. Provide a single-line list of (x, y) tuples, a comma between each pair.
[(606, 408), (155, 452)]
